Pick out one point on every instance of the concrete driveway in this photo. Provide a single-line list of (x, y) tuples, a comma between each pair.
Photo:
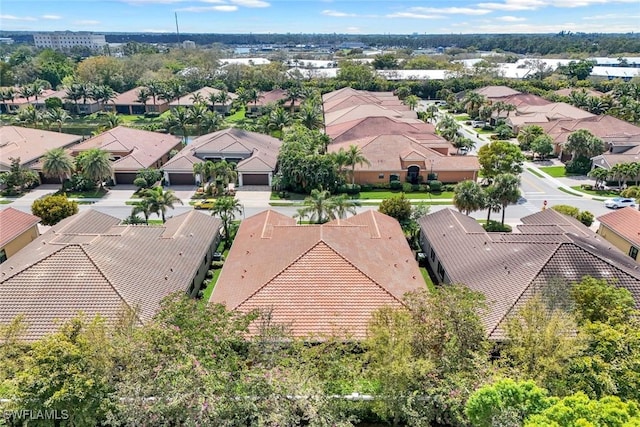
[(253, 196)]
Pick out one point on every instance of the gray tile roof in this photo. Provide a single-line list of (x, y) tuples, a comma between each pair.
[(508, 267), (89, 263)]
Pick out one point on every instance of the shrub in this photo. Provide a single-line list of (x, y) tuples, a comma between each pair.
[(382, 186), (79, 182), (586, 187), (395, 185), (448, 187), (579, 166), (150, 175), (497, 226), (415, 187), (586, 218), (140, 182), (423, 188), (366, 187), (349, 189), (152, 114), (432, 176), (54, 208), (435, 186), (407, 187), (567, 210), (397, 207), (216, 265)]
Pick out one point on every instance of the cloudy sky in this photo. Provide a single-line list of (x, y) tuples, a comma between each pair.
[(323, 16)]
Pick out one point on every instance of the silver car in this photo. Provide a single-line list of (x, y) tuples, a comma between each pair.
[(619, 202)]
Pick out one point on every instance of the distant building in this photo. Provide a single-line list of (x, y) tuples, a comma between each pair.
[(188, 44), (62, 40), (6, 40)]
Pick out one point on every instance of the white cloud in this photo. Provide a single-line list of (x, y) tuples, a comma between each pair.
[(514, 5), (138, 2), (251, 3), (17, 18), (450, 10), (352, 30), (337, 14), (510, 19), (51, 17), (610, 16), (86, 22), (220, 8), (411, 15)]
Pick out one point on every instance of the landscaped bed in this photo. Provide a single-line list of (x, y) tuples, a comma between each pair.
[(387, 194), (601, 193), (93, 194)]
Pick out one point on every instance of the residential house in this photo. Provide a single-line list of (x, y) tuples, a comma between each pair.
[(204, 95), (272, 97), (378, 125), (622, 229), (255, 155), (538, 114), (318, 279), (29, 145), (367, 110), (496, 93), (365, 98), (89, 263), (129, 103), (587, 91), (403, 158), (132, 150), (509, 268), (17, 230)]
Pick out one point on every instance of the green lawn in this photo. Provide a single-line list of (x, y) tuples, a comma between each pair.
[(5, 202), (427, 279), (602, 193), (387, 194), (463, 118), (236, 117), (275, 195), (212, 283), (96, 194), (555, 171)]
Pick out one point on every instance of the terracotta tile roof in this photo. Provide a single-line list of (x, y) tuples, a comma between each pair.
[(143, 148), (369, 126), (130, 98), (206, 91), (89, 263), (624, 222), (554, 111), (570, 90), (361, 111), (13, 223), (273, 97), (386, 152), (363, 99), (607, 128), (318, 278), (496, 91), (232, 142), (30, 144), (522, 99), (508, 268)]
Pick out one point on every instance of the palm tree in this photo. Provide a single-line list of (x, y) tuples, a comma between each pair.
[(293, 94), (96, 165), (103, 94), (462, 142), (341, 206), (432, 112), (179, 118), (311, 115), (621, 173), (584, 143), (143, 207), (279, 119), (491, 203), (155, 88), (527, 134), (411, 101), (599, 174), (226, 208), (26, 92), (224, 173), (341, 161), (74, 93), (57, 163), (159, 200), (58, 116), (468, 197), (355, 157), (30, 115), (211, 121), (197, 114), (143, 97), (113, 120), (318, 206), (507, 191), (472, 102), (448, 127), (509, 108)]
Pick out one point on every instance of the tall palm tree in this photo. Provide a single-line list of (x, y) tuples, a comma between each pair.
[(26, 92), (211, 121), (311, 115), (96, 165), (30, 115), (155, 88), (355, 157), (432, 112), (599, 174), (143, 97), (197, 98), (143, 207), (491, 203), (318, 206), (58, 116), (224, 173), (472, 102), (411, 101), (160, 200), (341, 161), (293, 94), (509, 108), (179, 118), (468, 197), (279, 119), (226, 208), (527, 134), (104, 94), (57, 163), (448, 127), (74, 94), (197, 113), (507, 191), (341, 206)]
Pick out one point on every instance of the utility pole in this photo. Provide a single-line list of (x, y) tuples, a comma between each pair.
[(177, 29)]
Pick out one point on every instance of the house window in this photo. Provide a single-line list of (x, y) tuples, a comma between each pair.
[(3, 256), (633, 252), (380, 176), (440, 271), (432, 255)]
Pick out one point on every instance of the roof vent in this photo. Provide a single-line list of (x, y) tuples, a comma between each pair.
[(166, 277)]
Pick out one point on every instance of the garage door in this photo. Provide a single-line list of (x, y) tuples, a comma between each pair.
[(255, 179), (182, 179), (125, 178), (49, 179)]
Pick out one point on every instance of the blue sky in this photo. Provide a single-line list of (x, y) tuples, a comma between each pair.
[(323, 16)]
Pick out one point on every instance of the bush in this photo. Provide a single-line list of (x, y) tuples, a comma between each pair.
[(586, 218), (415, 187), (579, 166), (567, 210), (395, 185), (216, 265), (423, 188), (350, 189), (150, 175), (435, 186), (79, 182), (448, 187), (54, 208), (140, 182), (407, 187), (152, 114), (496, 226), (586, 187), (366, 187), (432, 177)]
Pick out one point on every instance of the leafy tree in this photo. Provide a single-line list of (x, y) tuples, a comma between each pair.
[(226, 208), (70, 372), (599, 301), (18, 178), (57, 163), (578, 70), (95, 165), (150, 176), (542, 146), (54, 208), (506, 403), (583, 143), (468, 197), (600, 175), (506, 190), (398, 207), (500, 157), (503, 131), (578, 410), (160, 200), (386, 61), (633, 191)]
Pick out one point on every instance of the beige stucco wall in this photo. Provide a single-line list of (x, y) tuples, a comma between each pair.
[(615, 239), (21, 241), (372, 177)]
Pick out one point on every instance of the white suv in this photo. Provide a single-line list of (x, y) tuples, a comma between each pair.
[(619, 202)]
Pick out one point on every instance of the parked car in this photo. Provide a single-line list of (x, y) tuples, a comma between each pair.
[(478, 123), (204, 204), (619, 202)]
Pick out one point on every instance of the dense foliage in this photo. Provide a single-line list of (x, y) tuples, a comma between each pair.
[(54, 208)]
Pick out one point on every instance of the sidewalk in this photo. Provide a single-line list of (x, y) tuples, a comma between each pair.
[(564, 183)]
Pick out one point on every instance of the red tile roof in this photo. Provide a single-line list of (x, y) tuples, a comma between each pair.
[(30, 144), (14, 223), (318, 278), (625, 222)]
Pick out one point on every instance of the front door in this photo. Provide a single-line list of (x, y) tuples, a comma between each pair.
[(413, 172)]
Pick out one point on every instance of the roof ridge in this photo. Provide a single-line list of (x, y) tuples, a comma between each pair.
[(620, 267)]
